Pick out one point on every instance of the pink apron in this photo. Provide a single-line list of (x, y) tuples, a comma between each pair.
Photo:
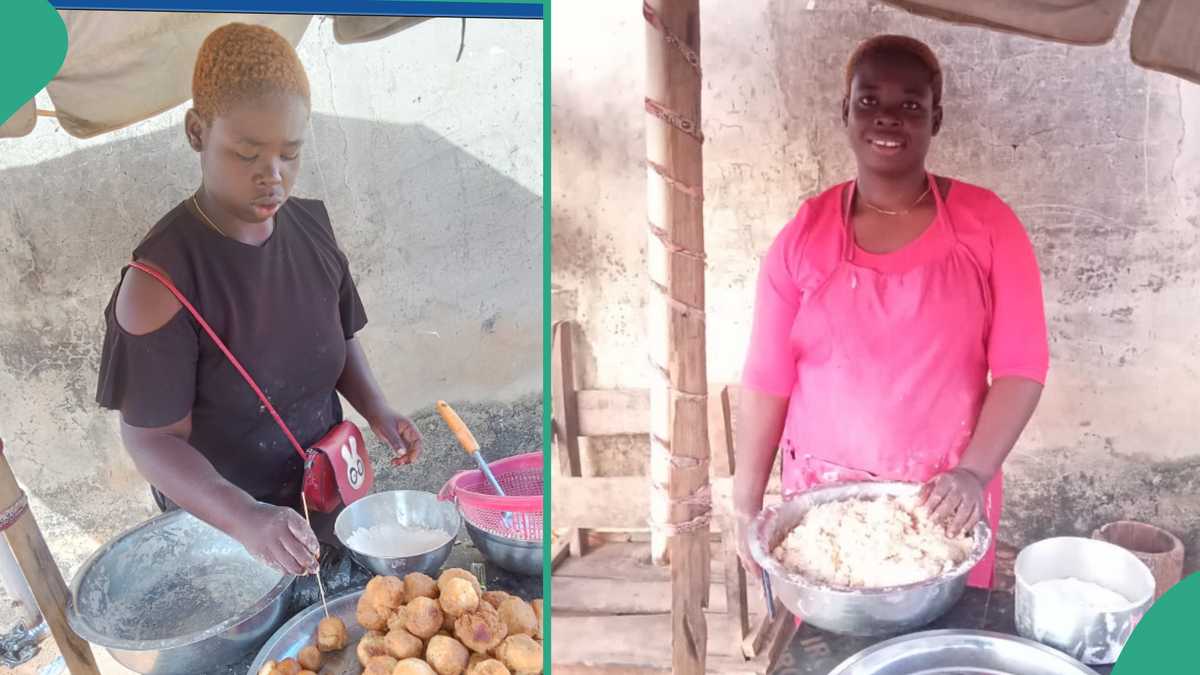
[(892, 367)]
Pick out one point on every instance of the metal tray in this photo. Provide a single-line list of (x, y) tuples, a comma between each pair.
[(301, 631), (960, 652)]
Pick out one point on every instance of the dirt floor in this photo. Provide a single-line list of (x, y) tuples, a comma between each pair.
[(503, 429)]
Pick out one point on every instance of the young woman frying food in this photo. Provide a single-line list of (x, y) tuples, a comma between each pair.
[(265, 270), (882, 309)]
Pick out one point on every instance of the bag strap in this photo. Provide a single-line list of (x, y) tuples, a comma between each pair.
[(221, 345)]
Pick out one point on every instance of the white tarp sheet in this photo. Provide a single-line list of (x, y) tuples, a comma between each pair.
[(1165, 34), (125, 67)]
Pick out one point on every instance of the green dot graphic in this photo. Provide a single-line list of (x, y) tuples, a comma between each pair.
[(33, 44)]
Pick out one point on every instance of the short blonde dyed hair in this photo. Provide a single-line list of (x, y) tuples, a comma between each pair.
[(898, 44), (239, 62)]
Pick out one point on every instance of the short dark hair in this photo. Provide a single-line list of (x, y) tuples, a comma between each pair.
[(898, 44)]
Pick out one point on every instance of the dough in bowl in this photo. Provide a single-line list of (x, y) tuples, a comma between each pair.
[(871, 543)]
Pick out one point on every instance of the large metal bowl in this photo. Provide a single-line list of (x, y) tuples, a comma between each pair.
[(958, 652), (862, 612), (515, 555), (1091, 636), (174, 594), (410, 508)]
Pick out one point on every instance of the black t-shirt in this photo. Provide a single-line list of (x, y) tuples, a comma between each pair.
[(285, 309)]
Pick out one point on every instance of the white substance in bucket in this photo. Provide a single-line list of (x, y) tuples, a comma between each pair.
[(393, 540), (1074, 594), (1065, 614)]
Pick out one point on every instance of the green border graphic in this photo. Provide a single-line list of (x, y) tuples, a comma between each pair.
[(33, 45), (1162, 641), (547, 340)]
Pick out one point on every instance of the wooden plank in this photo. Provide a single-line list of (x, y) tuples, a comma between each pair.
[(770, 631), (720, 440), (779, 644), (623, 412), (689, 593), (642, 640), (613, 412), (607, 596), (42, 573), (622, 501), (624, 561), (732, 395), (720, 444), (719, 664), (772, 638), (564, 419), (560, 549), (735, 583), (600, 502)]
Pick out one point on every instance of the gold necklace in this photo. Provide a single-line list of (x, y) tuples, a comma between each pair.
[(905, 212), (206, 218)]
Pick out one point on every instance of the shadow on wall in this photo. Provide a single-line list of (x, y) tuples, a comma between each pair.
[(446, 250)]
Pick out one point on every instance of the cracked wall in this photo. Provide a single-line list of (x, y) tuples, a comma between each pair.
[(1100, 159), (432, 172)]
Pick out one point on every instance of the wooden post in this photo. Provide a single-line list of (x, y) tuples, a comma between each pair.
[(565, 417), (13, 580), (680, 502), (40, 570)]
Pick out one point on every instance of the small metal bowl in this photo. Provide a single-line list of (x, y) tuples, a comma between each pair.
[(514, 555), (869, 612), (410, 508), (173, 594), (1091, 636)]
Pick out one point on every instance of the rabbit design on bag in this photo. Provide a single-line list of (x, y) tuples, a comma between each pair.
[(354, 463)]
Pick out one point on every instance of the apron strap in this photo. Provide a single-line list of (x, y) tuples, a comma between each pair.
[(941, 214)]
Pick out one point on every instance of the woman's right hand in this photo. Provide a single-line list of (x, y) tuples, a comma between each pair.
[(279, 537), (742, 525)]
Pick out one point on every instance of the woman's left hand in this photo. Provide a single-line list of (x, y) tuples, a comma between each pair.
[(399, 433), (955, 499)]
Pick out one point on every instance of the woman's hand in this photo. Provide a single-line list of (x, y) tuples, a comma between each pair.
[(399, 433), (743, 545), (278, 537), (954, 499)]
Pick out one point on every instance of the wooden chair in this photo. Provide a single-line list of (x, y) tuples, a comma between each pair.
[(622, 503)]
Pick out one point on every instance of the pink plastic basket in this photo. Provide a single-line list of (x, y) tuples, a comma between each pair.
[(521, 478)]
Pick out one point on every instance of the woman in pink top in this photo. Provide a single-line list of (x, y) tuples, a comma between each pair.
[(883, 307)]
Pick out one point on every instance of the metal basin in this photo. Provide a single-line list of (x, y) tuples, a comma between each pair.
[(862, 612), (1088, 635), (514, 555), (958, 652), (410, 508), (173, 594)]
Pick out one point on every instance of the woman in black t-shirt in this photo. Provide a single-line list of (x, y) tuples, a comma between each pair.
[(266, 273)]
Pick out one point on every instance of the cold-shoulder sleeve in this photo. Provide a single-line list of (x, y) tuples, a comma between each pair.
[(150, 378), (354, 315)]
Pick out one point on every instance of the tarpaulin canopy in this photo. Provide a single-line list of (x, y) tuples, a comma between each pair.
[(125, 67), (1165, 34)]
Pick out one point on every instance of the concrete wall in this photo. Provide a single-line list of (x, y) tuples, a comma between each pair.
[(432, 171), (1100, 158)]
